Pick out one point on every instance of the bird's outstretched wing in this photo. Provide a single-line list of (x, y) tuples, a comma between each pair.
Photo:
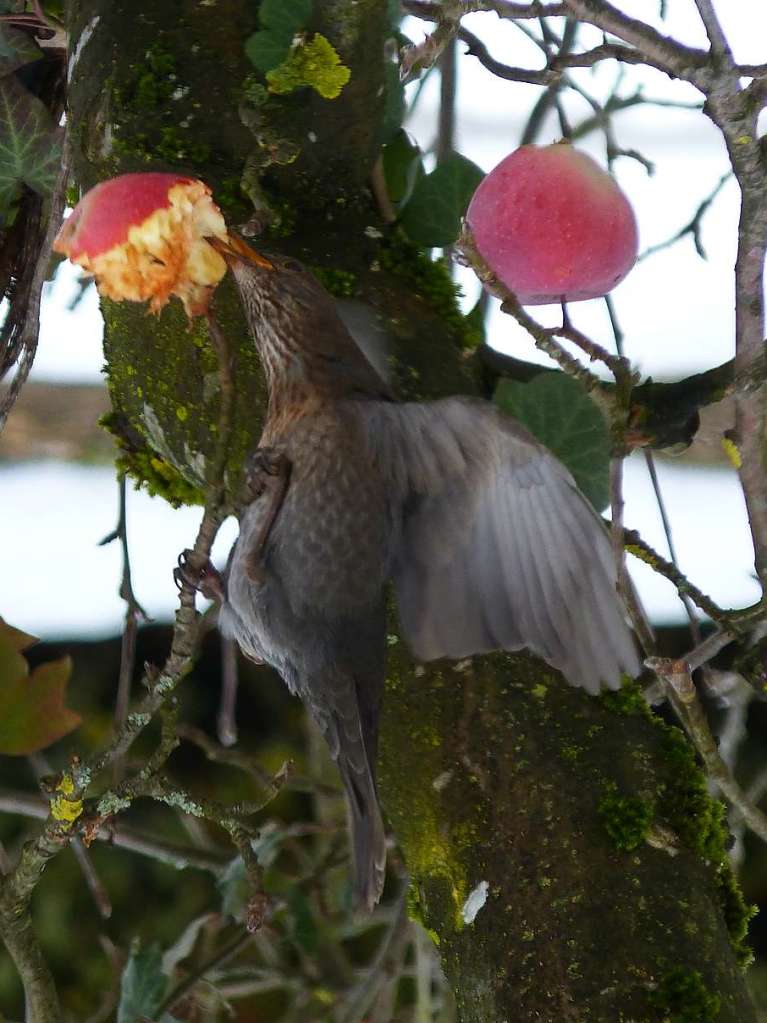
[(498, 549)]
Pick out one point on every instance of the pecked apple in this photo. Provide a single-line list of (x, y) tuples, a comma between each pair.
[(553, 226), (145, 236)]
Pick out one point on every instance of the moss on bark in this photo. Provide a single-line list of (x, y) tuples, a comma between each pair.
[(493, 773)]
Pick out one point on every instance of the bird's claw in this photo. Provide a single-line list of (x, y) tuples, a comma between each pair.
[(264, 463), (207, 579)]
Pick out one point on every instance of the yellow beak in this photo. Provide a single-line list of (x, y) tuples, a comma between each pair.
[(236, 248)]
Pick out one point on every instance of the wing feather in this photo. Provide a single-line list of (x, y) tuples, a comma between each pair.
[(496, 547)]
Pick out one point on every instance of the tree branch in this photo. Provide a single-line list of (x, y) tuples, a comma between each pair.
[(660, 51), (684, 698)]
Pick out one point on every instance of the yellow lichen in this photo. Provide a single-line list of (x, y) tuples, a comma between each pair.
[(314, 63), (63, 808)]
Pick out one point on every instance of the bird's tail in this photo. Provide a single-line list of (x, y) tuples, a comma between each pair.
[(367, 831)]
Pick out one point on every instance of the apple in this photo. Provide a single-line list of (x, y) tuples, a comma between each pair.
[(553, 226), (145, 237)]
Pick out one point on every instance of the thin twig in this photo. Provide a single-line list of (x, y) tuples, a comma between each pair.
[(190, 982), (26, 342), (544, 338), (731, 621), (174, 855), (133, 613), (384, 968), (684, 698), (693, 226), (684, 597), (95, 885), (708, 648), (720, 48)]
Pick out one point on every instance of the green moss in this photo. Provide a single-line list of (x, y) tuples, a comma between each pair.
[(312, 62), (684, 802), (431, 280), (682, 997), (629, 699), (148, 121), (146, 468), (340, 283), (737, 914), (626, 819)]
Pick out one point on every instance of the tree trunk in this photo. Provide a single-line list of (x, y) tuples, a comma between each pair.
[(576, 830)]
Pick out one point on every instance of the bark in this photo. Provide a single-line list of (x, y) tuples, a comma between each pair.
[(608, 891)]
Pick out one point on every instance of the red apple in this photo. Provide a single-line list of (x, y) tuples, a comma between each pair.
[(144, 236), (553, 226)]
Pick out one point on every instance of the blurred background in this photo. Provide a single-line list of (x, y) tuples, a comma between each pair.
[(59, 496)]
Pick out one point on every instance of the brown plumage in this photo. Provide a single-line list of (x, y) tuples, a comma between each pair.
[(487, 539)]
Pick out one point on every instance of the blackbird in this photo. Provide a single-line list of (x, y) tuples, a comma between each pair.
[(483, 532)]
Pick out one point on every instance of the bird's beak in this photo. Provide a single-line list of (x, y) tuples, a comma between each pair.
[(236, 248)]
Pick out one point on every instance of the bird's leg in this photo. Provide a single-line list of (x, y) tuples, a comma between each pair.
[(267, 473), (208, 580)]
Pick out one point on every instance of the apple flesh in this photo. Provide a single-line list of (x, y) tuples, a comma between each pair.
[(145, 237), (553, 226)]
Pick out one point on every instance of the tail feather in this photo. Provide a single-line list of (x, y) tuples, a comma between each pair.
[(345, 705), (367, 833)]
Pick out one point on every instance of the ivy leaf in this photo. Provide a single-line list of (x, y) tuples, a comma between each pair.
[(402, 166), (32, 711), (16, 49), (432, 216), (561, 414), (142, 985), (30, 148), (285, 17), (267, 50)]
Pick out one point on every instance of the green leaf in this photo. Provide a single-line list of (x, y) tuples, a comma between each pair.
[(32, 711), (233, 889), (402, 166), (267, 50), (432, 216), (561, 414), (285, 17), (305, 932), (394, 102), (30, 147), (16, 49), (142, 986)]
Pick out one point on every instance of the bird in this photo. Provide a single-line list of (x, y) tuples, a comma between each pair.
[(484, 534)]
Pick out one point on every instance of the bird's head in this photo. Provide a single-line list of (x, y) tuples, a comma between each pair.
[(295, 323), (272, 287)]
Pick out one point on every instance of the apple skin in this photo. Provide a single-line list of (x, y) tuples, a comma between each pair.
[(101, 219), (553, 226)]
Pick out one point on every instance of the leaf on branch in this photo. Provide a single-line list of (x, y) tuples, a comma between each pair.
[(285, 17), (402, 166), (30, 148), (281, 20), (432, 216), (559, 412), (16, 49), (267, 50), (32, 710), (142, 986)]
